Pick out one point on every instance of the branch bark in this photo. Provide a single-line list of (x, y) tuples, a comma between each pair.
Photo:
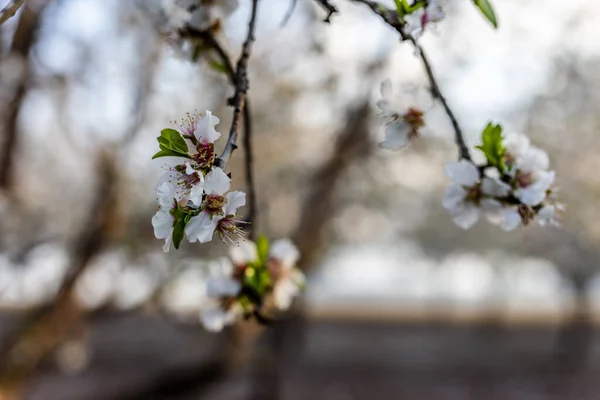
[(22, 42), (10, 10), (330, 8), (241, 88)]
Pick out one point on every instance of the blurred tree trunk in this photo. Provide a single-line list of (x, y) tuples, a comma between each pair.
[(22, 43), (352, 146), (48, 326)]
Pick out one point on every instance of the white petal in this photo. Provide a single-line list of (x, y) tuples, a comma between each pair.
[(235, 200), (216, 181), (463, 172), (286, 252), (396, 135), (386, 90), (466, 216), (455, 195), (196, 193), (516, 144), (535, 193), (162, 222), (284, 292), (168, 241), (214, 319), (534, 159), (511, 219), (205, 129), (221, 286), (384, 107), (188, 168), (495, 187), (243, 252), (547, 216), (201, 228), (165, 193)]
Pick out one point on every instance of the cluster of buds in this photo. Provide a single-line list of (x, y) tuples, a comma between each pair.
[(403, 123), (193, 194), (513, 188), (256, 279)]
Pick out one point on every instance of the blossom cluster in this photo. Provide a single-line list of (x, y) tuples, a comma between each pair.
[(256, 277), (514, 188), (422, 17), (193, 193)]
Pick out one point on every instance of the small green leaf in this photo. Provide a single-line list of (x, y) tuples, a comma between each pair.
[(218, 66), (172, 140), (492, 147), (168, 153), (178, 232), (399, 8), (262, 248), (487, 10)]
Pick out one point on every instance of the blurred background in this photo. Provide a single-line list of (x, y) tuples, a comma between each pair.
[(400, 303)]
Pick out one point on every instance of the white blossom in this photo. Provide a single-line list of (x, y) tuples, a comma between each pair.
[(418, 20), (535, 191), (288, 279), (222, 288), (219, 209), (402, 123), (469, 194)]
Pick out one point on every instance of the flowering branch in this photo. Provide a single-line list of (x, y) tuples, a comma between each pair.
[(330, 8), (391, 18), (10, 10), (208, 38), (241, 88)]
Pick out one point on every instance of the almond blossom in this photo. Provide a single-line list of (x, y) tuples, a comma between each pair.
[(418, 20), (469, 194), (211, 14), (218, 209), (222, 289), (402, 123), (283, 256)]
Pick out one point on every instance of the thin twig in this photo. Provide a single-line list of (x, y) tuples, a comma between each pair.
[(390, 17), (330, 8), (10, 10), (210, 40), (238, 101)]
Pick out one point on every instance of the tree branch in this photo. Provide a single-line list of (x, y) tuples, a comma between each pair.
[(238, 101), (23, 40), (10, 10), (330, 8), (391, 18)]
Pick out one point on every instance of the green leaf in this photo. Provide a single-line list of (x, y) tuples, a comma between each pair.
[(262, 248), (487, 10), (399, 8), (218, 66), (178, 232), (172, 140), (492, 147), (168, 153)]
